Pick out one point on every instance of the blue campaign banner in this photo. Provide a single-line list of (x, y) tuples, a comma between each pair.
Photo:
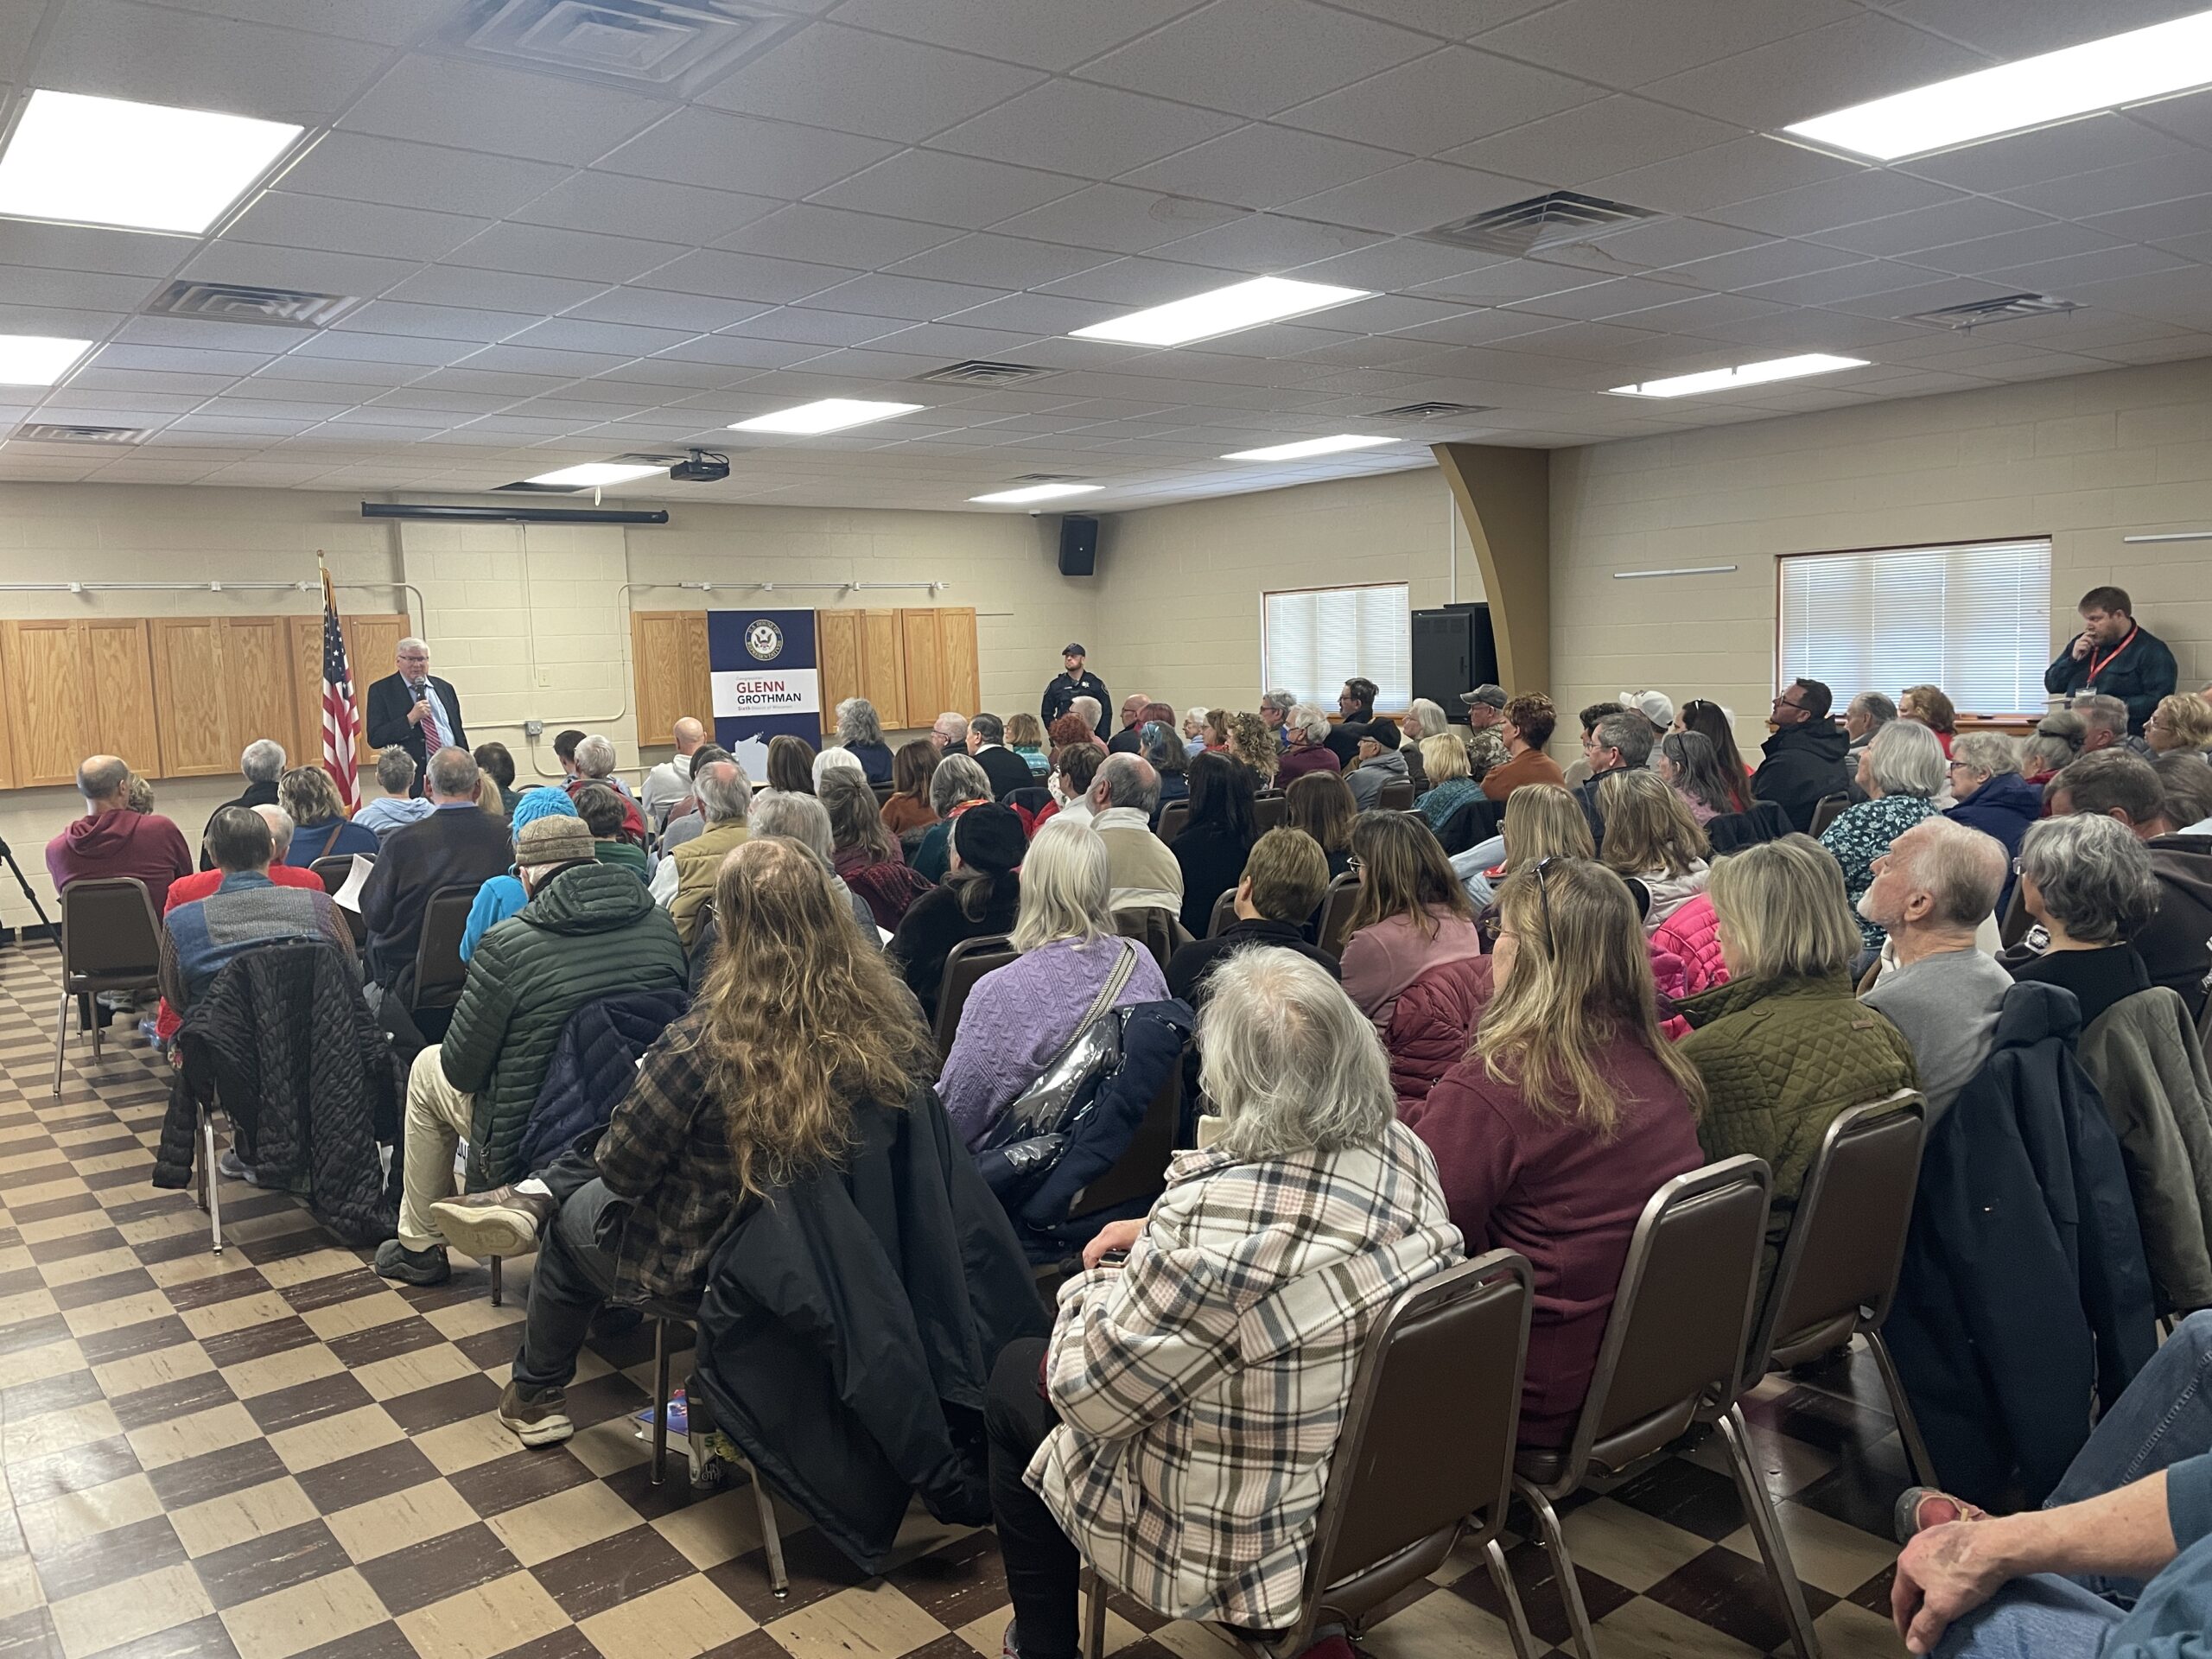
[(762, 666)]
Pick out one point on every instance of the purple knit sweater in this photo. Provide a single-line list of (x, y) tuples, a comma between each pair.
[(1020, 1017)]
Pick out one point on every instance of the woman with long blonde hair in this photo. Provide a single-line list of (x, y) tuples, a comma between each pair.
[(1250, 742), (1652, 841), (1568, 1113)]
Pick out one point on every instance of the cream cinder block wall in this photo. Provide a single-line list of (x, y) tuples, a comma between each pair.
[(2086, 458), (1180, 586)]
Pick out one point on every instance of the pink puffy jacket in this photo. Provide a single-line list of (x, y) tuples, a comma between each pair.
[(1432, 1024), (1686, 958)]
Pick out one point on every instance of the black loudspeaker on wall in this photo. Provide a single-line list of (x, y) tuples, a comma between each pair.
[(1079, 546), (1454, 652)]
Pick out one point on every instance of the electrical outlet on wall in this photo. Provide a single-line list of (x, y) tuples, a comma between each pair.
[(533, 729)]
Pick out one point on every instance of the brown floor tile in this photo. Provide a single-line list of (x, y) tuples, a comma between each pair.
[(332, 1287), (36, 1479), (201, 1638), (815, 1568), (83, 1293), (385, 1641), (126, 1342), (1724, 1591), (28, 1399), (33, 1333), (108, 1558), (366, 1475), (221, 1287), (956, 1585), (447, 1402), (29, 1635), (382, 1341), (305, 1403), (568, 1644), (517, 1479), (261, 1567), (257, 1341), (434, 1568), (181, 1398), (234, 1468), (606, 1574)]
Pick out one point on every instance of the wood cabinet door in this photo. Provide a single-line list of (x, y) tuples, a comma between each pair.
[(7, 778), (195, 727), (372, 642), (883, 670), (837, 661), (925, 666), (126, 716), (956, 637), (303, 654), (668, 672), (49, 694), (258, 700)]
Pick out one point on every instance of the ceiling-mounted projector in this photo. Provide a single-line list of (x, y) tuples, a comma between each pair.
[(703, 466)]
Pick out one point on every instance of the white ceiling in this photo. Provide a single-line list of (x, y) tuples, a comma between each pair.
[(562, 269)]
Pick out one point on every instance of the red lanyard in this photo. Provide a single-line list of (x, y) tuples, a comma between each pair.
[(2098, 664)]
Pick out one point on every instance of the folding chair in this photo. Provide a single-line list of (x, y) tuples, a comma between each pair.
[(111, 941), (1173, 817), (969, 961), (1337, 908), (686, 1311), (1825, 811), (1270, 810), (1395, 796), (1225, 912)]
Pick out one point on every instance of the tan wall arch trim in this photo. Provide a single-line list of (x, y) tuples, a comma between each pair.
[(1504, 498)]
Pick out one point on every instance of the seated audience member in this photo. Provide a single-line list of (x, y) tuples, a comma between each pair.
[(1444, 763), (604, 813), (1652, 842), (496, 762), (802, 820), (1934, 886), (1170, 761), (1620, 741), (830, 760), (957, 785), (589, 931), (1486, 751), (1655, 707), (564, 752), (1324, 809), (791, 764), (684, 818), (1863, 716), (1143, 873), (595, 759), (1007, 769), (1253, 744), (1928, 705), (202, 937), (1377, 761), (1424, 720), (667, 783), (860, 733), (2183, 722), (750, 1090), (2089, 882), (1901, 769), (1309, 751), (1686, 959), (1312, 1203), (1717, 727), (1018, 1018), (1068, 731), (2187, 781), (1527, 728), (1686, 764), (394, 806), (949, 733), (862, 849), (138, 795), (2056, 743), (261, 764), (454, 846), (503, 896), (1126, 740), (488, 798), (1784, 1046), (187, 889), (1217, 837), (725, 800), (1025, 735), (1283, 883), (978, 897), (2104, 725), (1577, 773), (111, 840), (1088, 711), (1569, 1114), (319, 823), (1412, 914), (2176, 943), (1356, 704), (909, 807), (1074, 768), (1990, 795), (1541, 821), (1804, 762), (1194, 730), (1276, 708), (2117, 1562)]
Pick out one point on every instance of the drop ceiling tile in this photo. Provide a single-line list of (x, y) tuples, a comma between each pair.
[(1115, 218), (845, 78), (721, 275), (367, 378), (1403, 262), (1266, 244), (504, 386), (1627, 43), (180, 359), (951, 342), (614, 204), (1260, 166), (656, 308), (1256, 57), (329, 225), (2020, 28), (1942, 225), (1049, 37), (72, 247), (1763, 261), (2027, 159), (1665, 244), (1707, 179), (571, 334), (581, 255), (1812, 208), (2167, 223), (1093, 132), (493, 291), (833, 236), (1592, 141), (737, 351), (389, 23), (357, 167), (1417, 196), (475, 105), (1441, 101), (1002, 261), (452, 322), (1848, 61), (2062, 276), (1911, 301), (113, 49), (2031, 244), (1605, 299), (904, 298), (1136, 282), (524, 359), (33, 285), (944, 189), (1031, 313), (316, 273), (2173, 178)]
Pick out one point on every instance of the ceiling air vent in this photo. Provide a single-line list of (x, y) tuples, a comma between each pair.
[(56, 432), (2004, 308), (286, 308), (678, 45), (1540, 222), (1429, 411), (977, 372)]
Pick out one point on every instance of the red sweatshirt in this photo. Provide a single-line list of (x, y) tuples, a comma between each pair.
[(121, 842)]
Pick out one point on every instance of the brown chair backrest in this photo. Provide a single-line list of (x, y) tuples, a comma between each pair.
[(1141, 1170), (1676, 1333), (332, 871), (969, 961), (110, 938), (1270, 810), (883, 794), (1173, 817), (1225, 912), (1451, 1349), (1827, 810), (1336, 913), (1839, 1267), (1159, 930), (2017, 921), (439, 970), (1396, 796)]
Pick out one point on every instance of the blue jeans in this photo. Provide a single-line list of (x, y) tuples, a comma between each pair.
[(2165, 1415)]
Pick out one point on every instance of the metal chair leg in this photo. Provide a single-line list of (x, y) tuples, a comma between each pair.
[(60, 1041), (660, 1400), (1516, 1621), (213, 1179), (1094, 1615), (498, 1289), (771, 1535), (1570, 1591), (1766, 1527), (99, 1030), (1916, 1449)]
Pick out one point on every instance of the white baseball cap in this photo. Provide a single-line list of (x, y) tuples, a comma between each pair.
[(1654, 706)]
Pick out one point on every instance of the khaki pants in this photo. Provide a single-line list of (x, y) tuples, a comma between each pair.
[(438, 1115)]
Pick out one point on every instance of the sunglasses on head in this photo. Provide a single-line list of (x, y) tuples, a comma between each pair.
[(1539, 869)]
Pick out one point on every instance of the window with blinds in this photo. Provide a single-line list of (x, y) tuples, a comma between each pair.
[(1316, 638), (1973, 619)]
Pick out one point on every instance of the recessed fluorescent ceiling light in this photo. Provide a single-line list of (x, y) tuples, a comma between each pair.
[(1744, 374), (1306, 447), (592, 473), (2118, 70), (1223, 311), (1037, 492), (141, 167), (830, 414), (38, 359)]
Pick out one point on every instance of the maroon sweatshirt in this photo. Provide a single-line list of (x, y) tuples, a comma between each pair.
[(1545, 1186), (121, 842)]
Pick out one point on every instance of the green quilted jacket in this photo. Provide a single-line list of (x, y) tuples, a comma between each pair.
[(593, 930), (1780, 1059)]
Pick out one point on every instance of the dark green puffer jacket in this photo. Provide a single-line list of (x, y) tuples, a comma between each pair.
[(593, 930)]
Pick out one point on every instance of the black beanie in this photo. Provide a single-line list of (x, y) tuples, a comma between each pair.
[(990, 838)]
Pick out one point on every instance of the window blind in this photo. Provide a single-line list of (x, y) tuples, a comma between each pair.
[(1973, 619), (1315, 639)]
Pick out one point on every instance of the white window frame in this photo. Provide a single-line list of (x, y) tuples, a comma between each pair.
[(1388, 697)]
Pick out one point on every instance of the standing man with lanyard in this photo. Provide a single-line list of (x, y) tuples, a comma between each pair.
[(2114, 657), (1066, 687), (414, 709)]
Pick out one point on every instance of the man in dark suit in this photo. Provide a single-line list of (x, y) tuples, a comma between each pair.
[(1006, 771), (414, 709), (457, 844)]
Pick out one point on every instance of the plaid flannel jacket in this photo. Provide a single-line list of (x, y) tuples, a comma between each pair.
[(1201, 1386), (664, 1150)]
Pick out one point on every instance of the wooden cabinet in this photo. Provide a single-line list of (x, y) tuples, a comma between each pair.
[(956, 667), (667, 666), (220, 682), (79, 687), (925, 666), (837, 661), (883, 670)]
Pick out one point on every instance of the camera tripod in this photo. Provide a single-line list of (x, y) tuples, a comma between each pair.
[(16, 870)]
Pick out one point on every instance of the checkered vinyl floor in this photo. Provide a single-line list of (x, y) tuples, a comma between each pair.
[(272, 1453)]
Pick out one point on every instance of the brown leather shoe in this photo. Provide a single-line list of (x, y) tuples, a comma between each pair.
[(501, 1222), (535, 1416)]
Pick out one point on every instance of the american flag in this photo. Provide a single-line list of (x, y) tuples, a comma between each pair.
[(340, 724)]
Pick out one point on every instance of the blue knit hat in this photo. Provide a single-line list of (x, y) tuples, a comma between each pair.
[(546, 803)]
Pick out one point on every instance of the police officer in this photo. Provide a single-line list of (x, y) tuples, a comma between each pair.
[(1067, 687)]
